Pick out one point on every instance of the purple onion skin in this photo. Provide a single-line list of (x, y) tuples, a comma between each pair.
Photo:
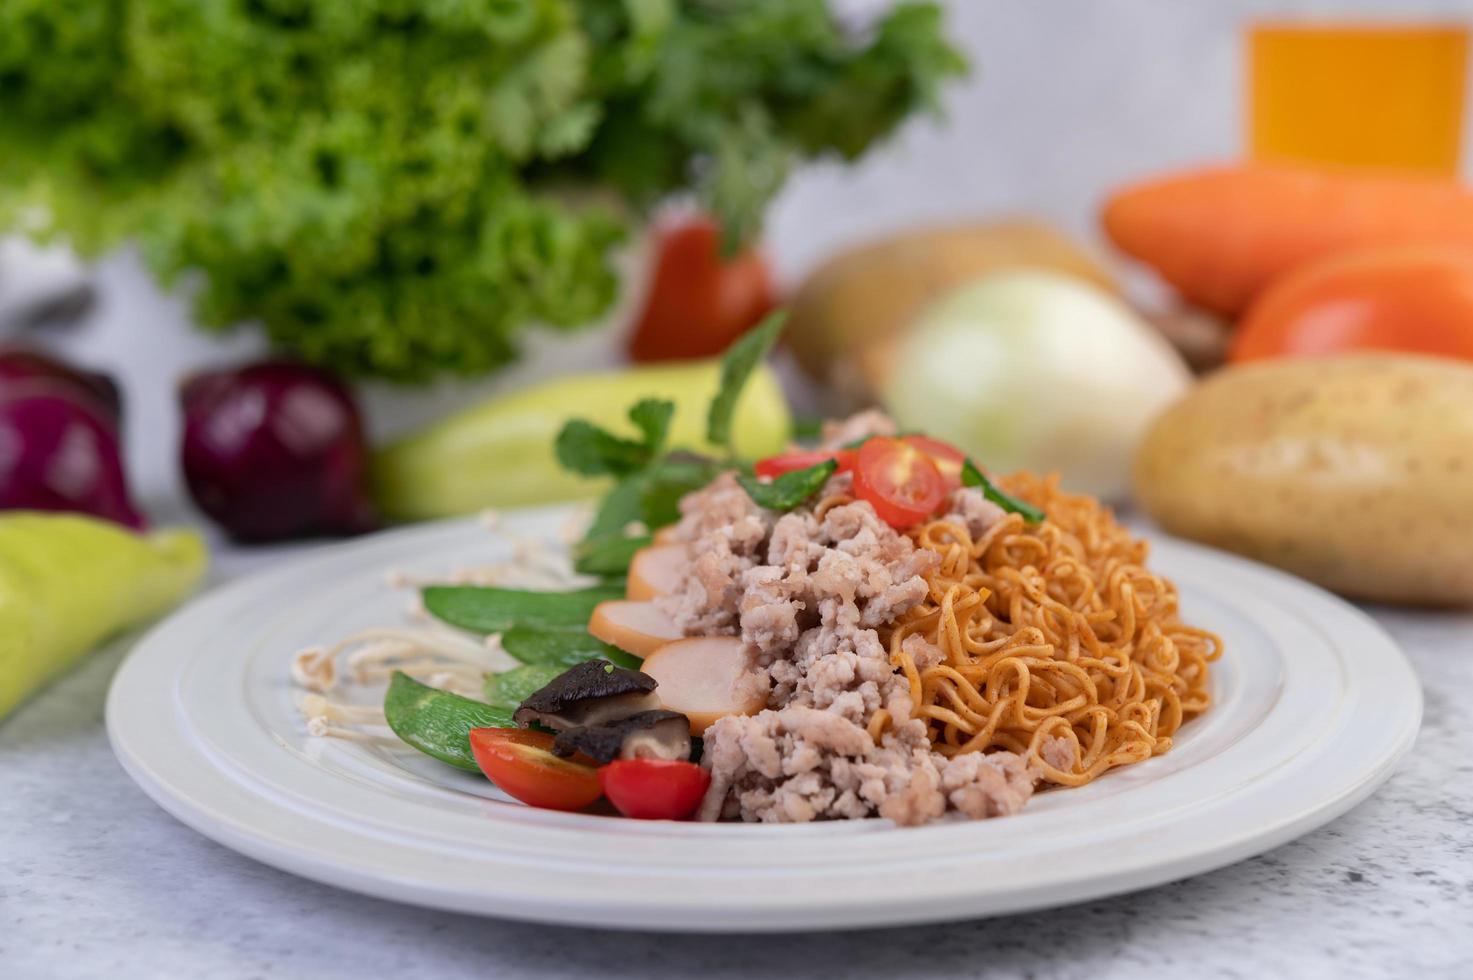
[(22, 364), (59, 452), (275, 451)]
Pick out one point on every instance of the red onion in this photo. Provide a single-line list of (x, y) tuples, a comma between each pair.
[(276, 450), (22, 364), (59, 451)]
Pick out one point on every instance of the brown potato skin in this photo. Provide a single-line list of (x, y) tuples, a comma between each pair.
[(1354, 471)]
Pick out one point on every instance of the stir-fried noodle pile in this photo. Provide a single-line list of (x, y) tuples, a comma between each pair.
[(1055, 630)]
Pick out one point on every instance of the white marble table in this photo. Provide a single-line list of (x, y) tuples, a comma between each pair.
[(97, 881)]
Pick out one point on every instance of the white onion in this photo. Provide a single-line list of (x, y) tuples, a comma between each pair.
[(1036, 370)]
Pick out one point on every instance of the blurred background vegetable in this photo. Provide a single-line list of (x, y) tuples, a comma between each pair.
[(23, 364), (1415, 299), (698, 300), (500, 453), (1353, 470), (397, 190), (1221, 235), (59, 445), (68, 582), (1038, 370), (856, 301), (276, 450)]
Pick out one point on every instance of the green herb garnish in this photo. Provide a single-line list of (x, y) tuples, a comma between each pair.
[(790, 489), (592, 450), (737, 365), (973, 477), (608, 555)]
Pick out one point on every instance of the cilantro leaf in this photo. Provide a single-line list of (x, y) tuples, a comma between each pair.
[(790, 489), (737, 365), (973, 477)]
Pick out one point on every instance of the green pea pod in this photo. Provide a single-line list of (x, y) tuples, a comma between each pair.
[(486, 610), (510, 688), (561, 648), (439, 723), (68, 582)]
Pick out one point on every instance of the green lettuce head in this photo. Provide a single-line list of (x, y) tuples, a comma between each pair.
[(397, 187)]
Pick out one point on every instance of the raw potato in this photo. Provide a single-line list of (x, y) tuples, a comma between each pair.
[(634, 627), (701, 677), (1354, 471), (868, 294), (656, 571)]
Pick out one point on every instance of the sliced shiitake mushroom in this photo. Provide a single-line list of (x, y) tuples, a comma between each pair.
[(591, 693), (646, 735)]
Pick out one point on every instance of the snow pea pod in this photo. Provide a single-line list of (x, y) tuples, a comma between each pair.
[(561, 648), (487, 610), (437, 722)]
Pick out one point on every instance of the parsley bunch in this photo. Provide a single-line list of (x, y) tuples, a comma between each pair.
[(398, 187)]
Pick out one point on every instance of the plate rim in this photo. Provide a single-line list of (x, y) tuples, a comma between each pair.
[(142, 765)]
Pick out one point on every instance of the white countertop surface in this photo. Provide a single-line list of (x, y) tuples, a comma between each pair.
[(97, 881)]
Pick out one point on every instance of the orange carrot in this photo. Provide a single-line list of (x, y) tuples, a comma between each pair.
[(1220, 235)]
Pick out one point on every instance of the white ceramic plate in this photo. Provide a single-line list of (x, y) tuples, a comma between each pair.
[(1314, 706)]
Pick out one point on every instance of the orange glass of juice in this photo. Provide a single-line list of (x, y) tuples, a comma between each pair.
[(1387, 95)]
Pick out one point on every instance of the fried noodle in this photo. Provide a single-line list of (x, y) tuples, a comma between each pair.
[(1052, 635)]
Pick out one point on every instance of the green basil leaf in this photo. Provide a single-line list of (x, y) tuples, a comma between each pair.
[(737, 365), (670, 479), (790, 489), (487, 610), (974, 477), (652, 417), (620, 507), (588, 449)]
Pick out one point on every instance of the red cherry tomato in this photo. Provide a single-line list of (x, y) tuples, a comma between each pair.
[(520, 761), (699, 300), (774, 466), (948, 458), (654, 789), (900, 481)]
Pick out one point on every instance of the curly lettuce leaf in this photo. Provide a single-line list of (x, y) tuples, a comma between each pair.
[(399, 188)]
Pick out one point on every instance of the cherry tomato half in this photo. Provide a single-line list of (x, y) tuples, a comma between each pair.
[(901, 482), (948, 458), (774, 466), (654, 789), (520, 761)]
